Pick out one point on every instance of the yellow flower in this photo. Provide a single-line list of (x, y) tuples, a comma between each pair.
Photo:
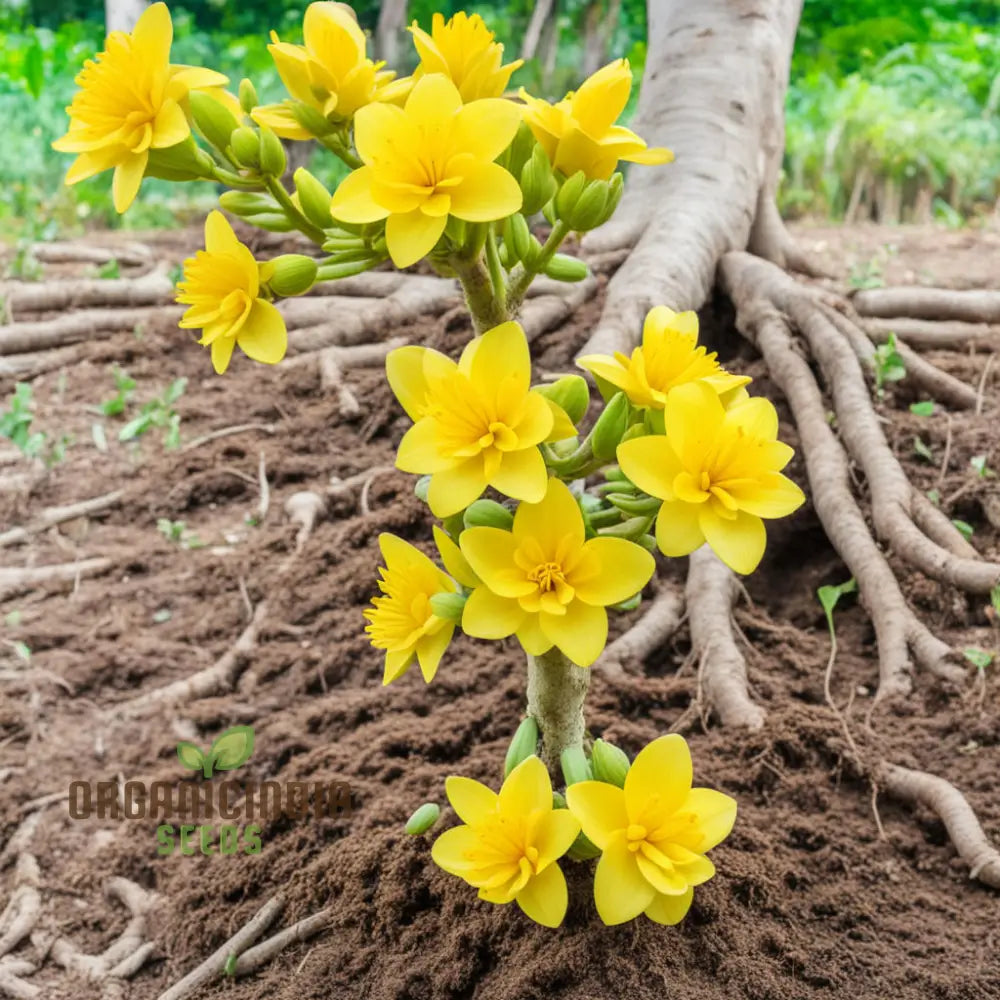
[(464, 50), (429, 160), (330, 73), (401, 622), (510, 842), (717, 472), (545, 583), (131, 101), (653, 834), (222, 285), (579, 133), (669, 356), (476, 423)]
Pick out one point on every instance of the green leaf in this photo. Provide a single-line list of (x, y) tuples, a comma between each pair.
[(162, 615), (190, 756), (34, 68), (935, 497), (925, 408), (23, 651), (232, 748), (979, 658), (994, 599), (978, 462), (135, 427), (110, 270), (922, 450), (964, 527), (175, 390), (831, 594)]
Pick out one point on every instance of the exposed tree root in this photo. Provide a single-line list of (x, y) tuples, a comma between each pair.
[(261, 954), (214, 966), (151, 289), (938, 384), (70, 328), (130, 254), (750, 283), (58, 515), (542, 313), (923, 334), (17, 580), (223, 432), (21, 913), (711, 592), (25, 367), (929, 303), (952, 808), (659, 621)]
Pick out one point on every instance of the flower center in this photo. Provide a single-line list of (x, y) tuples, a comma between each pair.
[(547, 575), (498, 435), (636, 834)]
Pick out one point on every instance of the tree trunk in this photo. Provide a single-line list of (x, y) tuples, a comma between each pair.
[(389, 30), (544, 9), (600, 22), (548, 47), (713, 92), (121, 15)]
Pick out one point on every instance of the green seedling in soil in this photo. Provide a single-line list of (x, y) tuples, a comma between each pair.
[(995, 598), (979, 658), (110, 270), (22, 650), (922, 450), (175, 273), (15, 425), (829, 596), (978, 462), (176, 531), (124, 384), (24, 266), (889, 365), (965, 529), (925, 408), (158, 412), (866, 274), (229, 751), (935, 497)]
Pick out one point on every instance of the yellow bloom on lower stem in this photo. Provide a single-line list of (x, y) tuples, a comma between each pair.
[(222, 286), (718, 473), (653, 834), (477, 423), (401, 621), (510, 842), (544, 582), (669, 356), (426, 161)]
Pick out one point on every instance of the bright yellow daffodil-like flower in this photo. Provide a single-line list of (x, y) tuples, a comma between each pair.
[(669, 356), (426, 161), (653, 834), (510, 842), (330, 73), (717, 471), (464, 50), (544, 582), (477, 423), (579, 133), (131, 101), (401, 621), (222, 287)]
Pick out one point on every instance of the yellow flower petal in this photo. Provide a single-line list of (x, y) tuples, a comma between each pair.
[(772, 495), (433, 100), (531, 637), (450, 851), (489, 616), (525, 789), (454, 562), (96, 162), (555, 835), (485, 128), (219, 235), (499, 353), (263, 337), (474, 803), (170, 126), (678, 528), (664, 881), (128, 177), (715, 814), (602, 97), (409, 369), (739, 542), (611, 570), (353, 202), (536, 420), (486, 192), (653, 156), (397, 662), (430, 649), (383, 132), (693, 416), (757, 417), (522, 475), (556, 520), (153, 34), (600, 808), (651, 464), (452, 490), (411, 236), (581, 633), (659, 781), (670, 910), (222, 351), (491, 554), (562, 426), (545, 898), (421, 450), (620, 890)]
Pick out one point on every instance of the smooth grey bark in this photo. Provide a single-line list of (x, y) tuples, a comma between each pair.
[(539, 16), (121, 15), (600, 22), (389, 30), (713, 92)]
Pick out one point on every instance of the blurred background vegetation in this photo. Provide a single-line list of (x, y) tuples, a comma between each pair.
[(893, 109)]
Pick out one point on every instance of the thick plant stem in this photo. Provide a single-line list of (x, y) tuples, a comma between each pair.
[(486, 308), (556, 692)]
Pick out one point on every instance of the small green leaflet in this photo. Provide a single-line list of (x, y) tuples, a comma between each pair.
[(966, 529), (229, 750), (922, 450), (925, 408), (979, 658), (995, 598), (831, 594)]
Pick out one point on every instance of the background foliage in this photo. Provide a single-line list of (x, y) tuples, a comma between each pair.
[(892, 108)]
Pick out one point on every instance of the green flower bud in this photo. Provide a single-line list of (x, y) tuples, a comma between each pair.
[(448, 606), (488, 514), (590, 209), (421, 488), (558, 800), (582, 849), (590, 503), (520, 236), (246, 204), (274, 222), (313, 121), (615, 188), (565, 268), (628, 528), (183, 161), (248, 96), (648, 542), (333, 272), (574, 765), (294, 273), (610, 426), (314, 199), (522, 746), (568, 194), (571, 392), (272, 154), (633, 505), (613, 473), (549, 211), (630, 604), (538, 185), (215, 121), (609, 762), (635, 431), (521, 149), (423, 819), (453, 525), (245, 144)]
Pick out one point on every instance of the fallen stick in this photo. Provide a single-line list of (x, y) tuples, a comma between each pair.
[(11, 983), (151, 289), (659, 621), (227, 432), (131, 254), (14, 581), (34, 363), (58, 515), (925, 334), (929, 303), (213, 966), (262, 953), (70, 328)]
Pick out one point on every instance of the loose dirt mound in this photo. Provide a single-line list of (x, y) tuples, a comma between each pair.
[(810, 899)]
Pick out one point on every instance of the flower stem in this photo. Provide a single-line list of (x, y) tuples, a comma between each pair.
[(304, 226), (523, 276), (497, 277), (487, 309), (556, 692)]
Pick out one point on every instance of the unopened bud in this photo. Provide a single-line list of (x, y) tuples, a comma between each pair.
[(272, 154), (247, 204), (583, 849), (314, 199), (274, 222), (590, 209), (610, 426), (484, 513), (183, 161), (571, 393), (538, 185), (293, 274), (568, 194), (562, 267), (215, 122), (610, 763), (520, 237), (245, 144), (248, 95), (522, 746), (313, 121), (448, 606), (521, 149), (423, 819), (574, 765), (421, 488)]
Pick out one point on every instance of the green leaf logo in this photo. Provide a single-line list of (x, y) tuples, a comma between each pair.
[(231, 749)]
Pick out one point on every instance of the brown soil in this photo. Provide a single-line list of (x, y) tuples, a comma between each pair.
[(809, 900)]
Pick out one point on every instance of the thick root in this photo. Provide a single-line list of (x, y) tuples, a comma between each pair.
[(151, 289), (658, 623), (925, 335), (261, 954), (929, 303), (87, 324), (15, 581), (58, 515), (129, 254)]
